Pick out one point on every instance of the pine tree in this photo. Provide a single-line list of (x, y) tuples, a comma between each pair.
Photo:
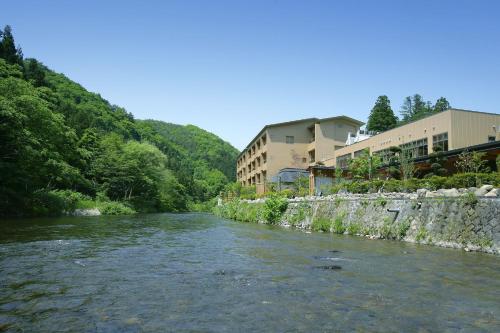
[(8, 50), (414, 108), (441, 105), (381, 117)]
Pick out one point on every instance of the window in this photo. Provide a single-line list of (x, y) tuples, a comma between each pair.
[(360, 152), (440, 141), (387, 155), (312, 156), (343, 161), (290, 139), (417, 148), (304, 160), (491, 138)]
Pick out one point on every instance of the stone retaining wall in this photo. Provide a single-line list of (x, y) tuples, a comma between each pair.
[(450, 218)]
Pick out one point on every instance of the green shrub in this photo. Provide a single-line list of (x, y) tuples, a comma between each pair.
[(469, 199), (248, 192), (114, 208), (321, 224), (380, 201), (386, 231), (421, 234), (287, 193), (338, 225), (354, 228), (403, 228), (274, 207), (56, 202)]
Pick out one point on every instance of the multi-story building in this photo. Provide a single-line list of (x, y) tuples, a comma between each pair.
[(448, 130), (322, 145), (295, 144)]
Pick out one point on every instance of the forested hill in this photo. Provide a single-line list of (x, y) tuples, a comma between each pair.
[(200, 145), (58, 140)]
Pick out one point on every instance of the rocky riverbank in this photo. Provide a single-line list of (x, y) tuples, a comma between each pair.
[(467, 219)]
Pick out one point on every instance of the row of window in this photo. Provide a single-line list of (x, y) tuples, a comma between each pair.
[(414, 149)]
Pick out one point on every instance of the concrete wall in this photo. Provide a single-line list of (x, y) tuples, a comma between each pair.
[(473, 128)]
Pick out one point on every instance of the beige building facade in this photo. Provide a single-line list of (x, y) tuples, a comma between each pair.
[(296, 144), (311, 142), (449, 130)]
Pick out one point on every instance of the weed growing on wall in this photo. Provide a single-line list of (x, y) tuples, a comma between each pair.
[(274, 207)]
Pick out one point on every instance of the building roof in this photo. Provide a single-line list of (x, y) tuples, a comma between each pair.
[(311, 120)]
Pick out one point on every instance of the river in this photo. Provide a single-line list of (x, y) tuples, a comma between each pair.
[(199, 273)]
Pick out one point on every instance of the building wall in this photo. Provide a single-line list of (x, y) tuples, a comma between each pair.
[(464, 128), (251, 166), (286, 155), (473, 128), (330, 135), (270, 152), (424, 128)]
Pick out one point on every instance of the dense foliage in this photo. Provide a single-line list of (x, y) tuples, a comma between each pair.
[(459, 180), (415, 108), (57, 138), (381, 117)]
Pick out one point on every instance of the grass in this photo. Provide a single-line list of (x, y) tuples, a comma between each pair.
[(354, 229), (321, 224)]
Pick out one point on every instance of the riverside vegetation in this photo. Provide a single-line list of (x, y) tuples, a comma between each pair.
[(64, 148), (446, 210)]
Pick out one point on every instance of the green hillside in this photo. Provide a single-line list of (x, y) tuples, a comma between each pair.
[(59, 140)]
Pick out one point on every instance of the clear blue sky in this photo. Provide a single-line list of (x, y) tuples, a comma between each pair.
[(233, 66)]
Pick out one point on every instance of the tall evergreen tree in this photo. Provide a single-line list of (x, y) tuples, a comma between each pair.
[(441, 105), (415, 107), (381, 117), (8, 49)]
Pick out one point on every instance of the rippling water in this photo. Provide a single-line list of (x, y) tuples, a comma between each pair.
[(198, 273)]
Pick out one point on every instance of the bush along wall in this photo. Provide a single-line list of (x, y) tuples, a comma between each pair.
[(445, 218)]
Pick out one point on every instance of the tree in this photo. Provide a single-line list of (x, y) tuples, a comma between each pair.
[(437, 161), (8, 50), (469, 161), (365, 165), (414, 107), (407, 165), (381, 117), (34, 72), (441, 105)]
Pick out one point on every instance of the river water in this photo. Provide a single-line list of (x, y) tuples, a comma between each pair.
[(199, 273)]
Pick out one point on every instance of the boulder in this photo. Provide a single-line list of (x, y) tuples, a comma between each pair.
[(493, 193), (421, 192), (483, 190), (452, 192), (430, 194), (87, 212)]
